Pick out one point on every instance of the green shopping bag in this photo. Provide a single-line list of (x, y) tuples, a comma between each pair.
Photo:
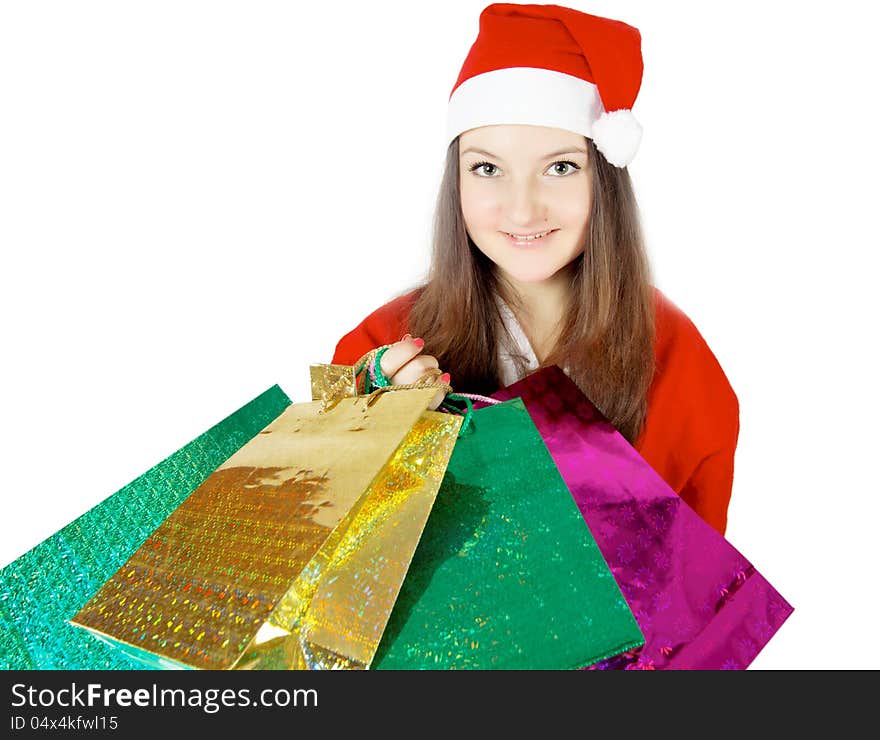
[(507, 574)]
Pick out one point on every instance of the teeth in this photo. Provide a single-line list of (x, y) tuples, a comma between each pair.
[(528, 238)]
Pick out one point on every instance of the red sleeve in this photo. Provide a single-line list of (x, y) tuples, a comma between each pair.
[(385, 325), (709, 486), (692, 427)]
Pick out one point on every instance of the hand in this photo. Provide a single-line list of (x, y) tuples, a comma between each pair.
[(403, 363)]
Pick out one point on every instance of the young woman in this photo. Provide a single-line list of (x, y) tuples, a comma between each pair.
[(538, 256)]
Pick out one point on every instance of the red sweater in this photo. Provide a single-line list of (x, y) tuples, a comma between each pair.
[(692, 424)]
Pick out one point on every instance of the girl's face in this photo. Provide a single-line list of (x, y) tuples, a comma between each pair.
[(521, 180)]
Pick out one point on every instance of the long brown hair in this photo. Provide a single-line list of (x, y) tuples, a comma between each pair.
[(606, 336)]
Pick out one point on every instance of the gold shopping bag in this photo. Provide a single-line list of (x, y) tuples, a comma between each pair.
[(291, 554)]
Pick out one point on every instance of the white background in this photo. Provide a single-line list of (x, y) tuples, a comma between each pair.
[(197, 200)]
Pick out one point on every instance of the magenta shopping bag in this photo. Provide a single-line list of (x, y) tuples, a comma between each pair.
[(699, 602)]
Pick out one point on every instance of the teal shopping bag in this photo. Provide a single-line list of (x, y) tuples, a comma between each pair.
[(47, 585)]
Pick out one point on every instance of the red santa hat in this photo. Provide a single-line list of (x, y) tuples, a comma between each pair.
[(547, 65)]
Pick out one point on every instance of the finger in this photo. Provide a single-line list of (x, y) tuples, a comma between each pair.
[(398, 354), (438, 399), (413, 370)]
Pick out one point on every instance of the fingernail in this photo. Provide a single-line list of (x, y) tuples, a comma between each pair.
[(405, 337), (419, 342), (445, 378)]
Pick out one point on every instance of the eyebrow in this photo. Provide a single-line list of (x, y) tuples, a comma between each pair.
[(548, 156)]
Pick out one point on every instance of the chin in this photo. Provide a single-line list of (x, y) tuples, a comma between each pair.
[(538, 275)]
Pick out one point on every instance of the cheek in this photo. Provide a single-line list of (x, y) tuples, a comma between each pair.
[(480, 208), (574, 206)]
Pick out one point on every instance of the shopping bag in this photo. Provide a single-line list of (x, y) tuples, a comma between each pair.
[(43, 588), (345, 595), (699, 602), (291, 553), (506, 574)]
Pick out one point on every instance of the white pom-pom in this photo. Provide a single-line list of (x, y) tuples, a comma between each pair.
[(617, 135)]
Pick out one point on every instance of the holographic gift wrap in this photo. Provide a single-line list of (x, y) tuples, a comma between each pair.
[(700, 603), (340, 604), (506, 574), (216, 585), (46, 586)]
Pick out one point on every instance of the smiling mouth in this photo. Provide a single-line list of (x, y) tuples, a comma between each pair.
[(520, 239)]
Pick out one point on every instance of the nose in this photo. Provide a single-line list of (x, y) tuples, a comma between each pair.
[(526, 205)]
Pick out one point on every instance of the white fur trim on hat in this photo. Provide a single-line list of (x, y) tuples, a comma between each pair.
[(528, 95), (543, 97)]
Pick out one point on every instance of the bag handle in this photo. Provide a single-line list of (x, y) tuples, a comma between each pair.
[(374, 383)]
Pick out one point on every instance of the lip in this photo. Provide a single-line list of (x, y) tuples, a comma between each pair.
[(531, 233), (529, 243)]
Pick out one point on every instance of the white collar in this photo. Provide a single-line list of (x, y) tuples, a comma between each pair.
[(521, 347)]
